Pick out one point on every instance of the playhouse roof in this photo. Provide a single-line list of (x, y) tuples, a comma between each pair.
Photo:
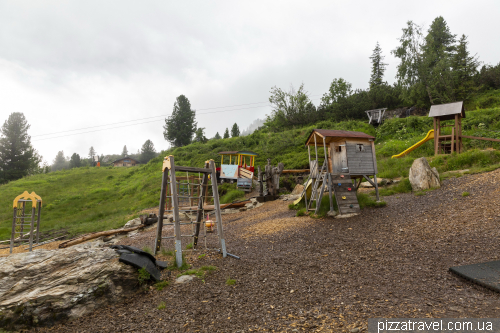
[(448, 110), (330, 135), (241, 152)]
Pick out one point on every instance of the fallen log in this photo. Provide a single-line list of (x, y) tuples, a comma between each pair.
[(87, 237), (211, 207), (295, 171)]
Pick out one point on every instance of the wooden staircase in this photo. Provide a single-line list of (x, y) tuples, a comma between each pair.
[(345, 194)]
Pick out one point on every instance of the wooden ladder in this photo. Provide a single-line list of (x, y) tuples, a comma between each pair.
[(345, 193), (322, 179)]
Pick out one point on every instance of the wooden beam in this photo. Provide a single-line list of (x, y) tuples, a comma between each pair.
[(479, 138), (191, 169), (296, 171)]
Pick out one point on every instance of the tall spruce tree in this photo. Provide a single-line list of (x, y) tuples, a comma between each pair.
[(124, 151), (17, 156), (180, 126), (235, 131), (200, 135), (378, 67), (59, 162), (75, 161), (217, 136), (464, 69), (147, 151), (226, 133)]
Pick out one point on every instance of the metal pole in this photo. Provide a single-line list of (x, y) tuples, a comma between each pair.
[(161, 211), (220, 231), (177, 226)]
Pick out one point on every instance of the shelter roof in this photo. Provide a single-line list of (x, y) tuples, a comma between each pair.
[(447, 111), (240, 152), (331, 135), (125, 158)]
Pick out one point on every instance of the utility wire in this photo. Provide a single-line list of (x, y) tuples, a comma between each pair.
[(128, 121)]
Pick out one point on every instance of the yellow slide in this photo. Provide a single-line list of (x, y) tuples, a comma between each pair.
[(308, 192), (429, 136)]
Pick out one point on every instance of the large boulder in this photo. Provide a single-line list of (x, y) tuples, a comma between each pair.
[(422, 176), (45, 286)]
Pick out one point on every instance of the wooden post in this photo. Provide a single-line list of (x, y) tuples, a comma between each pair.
[(326, 156), (376, 187), (161, 211), (437, 135), (436, 140), (33, 211), (199, 215), (261, 185), (13, 230), (452, 139), (39, 210), (309, 154), (316, 149), (220, 230), (22, 220), (330, 191), (457, 133)]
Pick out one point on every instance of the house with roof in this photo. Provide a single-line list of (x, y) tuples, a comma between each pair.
[(126, 161)]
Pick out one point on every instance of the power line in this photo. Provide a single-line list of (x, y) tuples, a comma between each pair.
[(128, 121)]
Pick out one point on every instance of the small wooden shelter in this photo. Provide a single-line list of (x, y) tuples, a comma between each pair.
[(349, 156), (448, 143), (125, 162), (239, 166)]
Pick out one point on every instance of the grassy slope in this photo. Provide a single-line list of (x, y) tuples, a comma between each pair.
[(93, 199)]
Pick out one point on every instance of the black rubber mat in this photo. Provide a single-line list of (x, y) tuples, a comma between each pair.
[(135, 250), (486, 274), (141, 261)]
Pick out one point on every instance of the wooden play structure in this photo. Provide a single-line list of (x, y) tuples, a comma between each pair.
[(446, 143), (176, 203), (375, 116), (240, 168), (26, 221), (348, 157)]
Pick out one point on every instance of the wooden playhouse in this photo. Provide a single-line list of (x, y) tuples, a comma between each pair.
[(350, 157)]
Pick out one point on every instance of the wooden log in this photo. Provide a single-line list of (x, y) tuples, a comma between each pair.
[(87, 237), (296, 171), (480, 138)]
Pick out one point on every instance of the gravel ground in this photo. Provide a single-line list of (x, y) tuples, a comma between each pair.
[(328, 275)]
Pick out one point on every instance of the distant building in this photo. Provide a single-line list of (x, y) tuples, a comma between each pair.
[(125, 162)]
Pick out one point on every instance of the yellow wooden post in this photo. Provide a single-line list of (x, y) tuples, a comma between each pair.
[(230, 159)]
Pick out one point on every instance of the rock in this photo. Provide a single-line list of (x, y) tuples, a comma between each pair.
[(132, 223), (422, 177), (354, 330), (229, 211), (256, 203), (46, 286), (332, 213), (344, 216), (184, 279), (249, 205), (242, 209), (380, 181), (298, 189)]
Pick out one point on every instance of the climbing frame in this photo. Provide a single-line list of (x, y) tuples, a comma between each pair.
[(178, 196), (26, 220)]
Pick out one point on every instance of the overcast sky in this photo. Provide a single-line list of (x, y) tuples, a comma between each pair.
[(70, 65)]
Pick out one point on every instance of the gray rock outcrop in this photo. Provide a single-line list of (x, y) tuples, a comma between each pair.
[(422, 176), (45, 286)]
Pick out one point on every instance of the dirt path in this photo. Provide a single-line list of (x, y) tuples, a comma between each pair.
[(330, 275)]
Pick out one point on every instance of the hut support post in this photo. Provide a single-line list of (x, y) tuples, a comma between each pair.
[(220, 231), (376, 187), (309, 154), (316, 149), (39, 210), (452, 139), (457, 133), (436, 140)]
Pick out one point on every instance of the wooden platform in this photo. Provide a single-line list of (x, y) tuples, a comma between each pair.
[(341, 186)]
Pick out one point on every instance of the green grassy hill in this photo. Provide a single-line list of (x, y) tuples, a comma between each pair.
[(93, 199)]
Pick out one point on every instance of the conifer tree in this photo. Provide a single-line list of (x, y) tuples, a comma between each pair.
[(217, 136), (180, 126), (235, 131), (378, 67), (226, 133)]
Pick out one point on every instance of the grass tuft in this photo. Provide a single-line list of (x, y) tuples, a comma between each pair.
[(162, 306), (160, 285), (230, 282), (465, 194), (144, 276)]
